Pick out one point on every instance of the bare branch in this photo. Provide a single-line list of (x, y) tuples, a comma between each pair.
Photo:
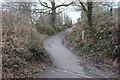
[(41, 11), (83, 6), (64, 5), (44, 4)]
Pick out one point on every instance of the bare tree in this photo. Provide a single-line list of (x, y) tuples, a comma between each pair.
[(88, 8), (52, 9)]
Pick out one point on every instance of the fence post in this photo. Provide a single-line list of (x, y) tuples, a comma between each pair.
[(82, 35)]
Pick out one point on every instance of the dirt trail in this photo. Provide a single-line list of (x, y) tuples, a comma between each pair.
[(65, 63)]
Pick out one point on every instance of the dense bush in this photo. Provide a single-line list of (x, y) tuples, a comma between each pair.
[(22, 38), (21, 44), (103, 44)]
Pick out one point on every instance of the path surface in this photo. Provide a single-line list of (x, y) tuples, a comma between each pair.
[(65, 63)]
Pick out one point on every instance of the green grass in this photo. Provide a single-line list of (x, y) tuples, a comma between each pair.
[(34, 71)]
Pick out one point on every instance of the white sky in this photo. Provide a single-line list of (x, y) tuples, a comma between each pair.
[(72, 14), (76, 15)]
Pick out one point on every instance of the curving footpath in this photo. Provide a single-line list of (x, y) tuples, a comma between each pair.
[(65, 63)]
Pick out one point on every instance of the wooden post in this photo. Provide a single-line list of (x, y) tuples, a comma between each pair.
[(82, 35)]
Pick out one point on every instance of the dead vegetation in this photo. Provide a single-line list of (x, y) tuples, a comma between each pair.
[(22, 48), (22, 39), (103, 46)]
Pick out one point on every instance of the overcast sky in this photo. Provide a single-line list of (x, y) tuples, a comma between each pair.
[(76, 15), (72, 14)]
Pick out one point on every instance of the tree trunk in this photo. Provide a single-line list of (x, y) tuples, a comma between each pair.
[(53, 15), (90, 20)]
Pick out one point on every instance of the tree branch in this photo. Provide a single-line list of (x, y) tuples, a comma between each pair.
[(64, 5), (83, 6), (44, 4), (41, 11)]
